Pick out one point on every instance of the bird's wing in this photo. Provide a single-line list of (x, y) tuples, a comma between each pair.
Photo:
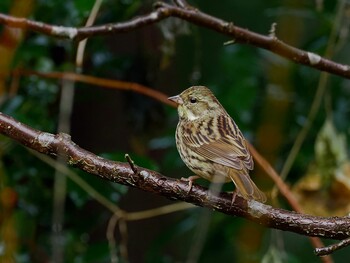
[(230, 149)]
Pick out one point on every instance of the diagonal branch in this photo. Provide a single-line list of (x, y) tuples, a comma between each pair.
[(154, 182), (101, 82), (191, 15)]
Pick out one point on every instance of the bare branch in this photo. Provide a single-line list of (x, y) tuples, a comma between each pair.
[(322, 251), (153, 182), (192, 15), (101, 82)]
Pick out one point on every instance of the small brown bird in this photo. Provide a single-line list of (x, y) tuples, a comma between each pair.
[(211, 144)]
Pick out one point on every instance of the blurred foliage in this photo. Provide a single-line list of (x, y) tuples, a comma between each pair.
[(168, 57)]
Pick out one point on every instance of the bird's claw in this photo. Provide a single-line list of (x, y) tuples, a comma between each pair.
[(190, 181), (234, 194)]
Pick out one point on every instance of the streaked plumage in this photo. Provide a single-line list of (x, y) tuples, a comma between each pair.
[(211, 144)]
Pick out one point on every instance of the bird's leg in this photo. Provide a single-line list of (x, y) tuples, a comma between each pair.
[(190, 181), (234, 194)]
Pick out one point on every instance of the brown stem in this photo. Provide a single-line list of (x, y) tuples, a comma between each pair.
[(322, 251), (101, 82)]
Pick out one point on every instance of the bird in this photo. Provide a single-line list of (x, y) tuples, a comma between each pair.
[(210, 143)]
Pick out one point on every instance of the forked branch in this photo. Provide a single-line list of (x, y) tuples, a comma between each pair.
[(192, 15)]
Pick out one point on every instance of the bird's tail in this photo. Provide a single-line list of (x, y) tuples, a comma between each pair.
[(245, 186)]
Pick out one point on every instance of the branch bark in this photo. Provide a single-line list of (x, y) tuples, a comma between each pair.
[(174, 189), (194, 16)]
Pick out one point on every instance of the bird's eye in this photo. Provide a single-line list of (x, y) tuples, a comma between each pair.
[(193, 100)]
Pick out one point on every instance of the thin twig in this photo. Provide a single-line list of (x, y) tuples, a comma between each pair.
[(166, 209), (131, 163), (82, 44), (322, 251), (229, 42), (102, 82), (123, 230), (111, 239)]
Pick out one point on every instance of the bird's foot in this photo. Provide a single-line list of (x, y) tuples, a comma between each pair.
[(234, 194), (190, 181)]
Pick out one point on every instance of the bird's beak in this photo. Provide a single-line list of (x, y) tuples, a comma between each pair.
[(177, 99)]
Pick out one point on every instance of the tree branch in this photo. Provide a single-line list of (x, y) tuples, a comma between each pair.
[(322, 251), (101, 82), (194, 16), (154, 182)]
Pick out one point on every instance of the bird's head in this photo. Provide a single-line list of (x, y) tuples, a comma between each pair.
[(196, 102)]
